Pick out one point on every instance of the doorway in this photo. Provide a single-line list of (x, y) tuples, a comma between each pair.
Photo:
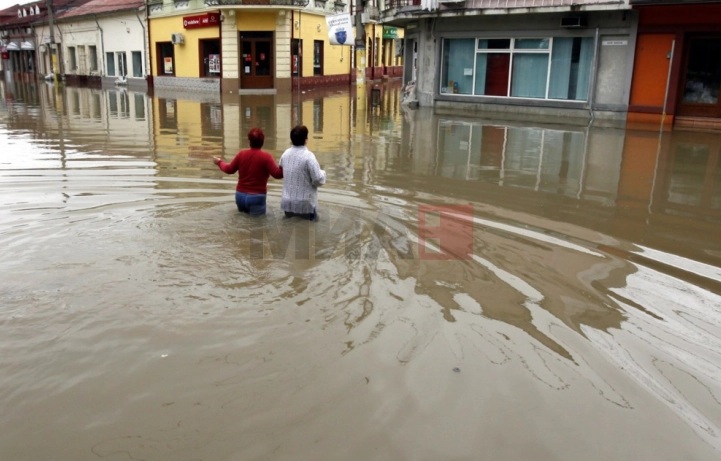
[(256, 60), (699, 94)]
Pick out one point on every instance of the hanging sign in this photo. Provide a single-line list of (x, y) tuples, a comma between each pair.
[(340, 29)]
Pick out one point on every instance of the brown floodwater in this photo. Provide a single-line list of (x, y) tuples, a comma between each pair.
[(474, 290)]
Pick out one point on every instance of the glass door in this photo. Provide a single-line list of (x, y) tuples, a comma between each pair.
[(256, 60)]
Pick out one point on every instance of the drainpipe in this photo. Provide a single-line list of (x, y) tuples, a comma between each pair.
[(51, 27), (102, 48), (593, 76), (145, 36), (668, 81)]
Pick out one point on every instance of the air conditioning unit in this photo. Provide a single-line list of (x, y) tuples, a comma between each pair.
[(177, 39), (572, 22)]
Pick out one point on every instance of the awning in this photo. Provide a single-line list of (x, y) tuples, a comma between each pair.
[(27, 46)]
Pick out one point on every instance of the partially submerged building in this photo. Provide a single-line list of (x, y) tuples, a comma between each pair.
[(529, 58)]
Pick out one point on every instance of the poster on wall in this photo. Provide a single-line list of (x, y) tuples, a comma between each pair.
[(168, 65), (340, 29), (214, 63)]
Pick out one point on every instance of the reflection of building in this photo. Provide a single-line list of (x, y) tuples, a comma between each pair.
[(641, 185), (677, 71)]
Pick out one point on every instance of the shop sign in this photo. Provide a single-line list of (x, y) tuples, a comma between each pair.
[(201, 20), (390, 32)]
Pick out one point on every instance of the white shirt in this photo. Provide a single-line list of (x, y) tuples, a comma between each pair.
[(301, 178)]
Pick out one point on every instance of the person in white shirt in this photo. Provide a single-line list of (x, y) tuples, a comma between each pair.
[(302, 175)]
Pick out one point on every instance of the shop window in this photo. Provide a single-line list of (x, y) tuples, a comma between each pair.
[(318, 57), (703, 72), (538, 68), (210, 55), (166, 57)]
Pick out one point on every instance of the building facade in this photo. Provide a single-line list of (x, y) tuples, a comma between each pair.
[(677, 69), (526, 58), (263, 45)]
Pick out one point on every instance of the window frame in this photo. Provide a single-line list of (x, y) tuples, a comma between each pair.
[(512, 50)]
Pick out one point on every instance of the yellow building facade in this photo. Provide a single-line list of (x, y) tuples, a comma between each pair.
[(233, 49)]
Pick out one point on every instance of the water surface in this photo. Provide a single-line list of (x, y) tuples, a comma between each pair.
[(474, 290)]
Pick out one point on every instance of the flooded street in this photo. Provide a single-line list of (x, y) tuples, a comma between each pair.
[(474, 289)]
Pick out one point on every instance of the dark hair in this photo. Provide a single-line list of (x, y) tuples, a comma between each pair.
[(298, 135), (256, 138)]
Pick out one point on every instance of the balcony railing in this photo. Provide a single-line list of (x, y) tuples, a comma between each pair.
[(398, 4), (290, 3)]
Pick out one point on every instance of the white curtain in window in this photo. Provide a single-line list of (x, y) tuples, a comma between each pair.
[(481, 63), (584, 69), (530, 73), (460, 66), (560, 68)]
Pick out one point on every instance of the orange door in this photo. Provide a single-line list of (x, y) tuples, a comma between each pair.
[(650, 70)]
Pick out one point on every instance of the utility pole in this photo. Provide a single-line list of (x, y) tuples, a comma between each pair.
[(51, 45), (360, 42)]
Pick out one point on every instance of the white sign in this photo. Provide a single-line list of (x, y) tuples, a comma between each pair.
[(614, 42), (340, 30)]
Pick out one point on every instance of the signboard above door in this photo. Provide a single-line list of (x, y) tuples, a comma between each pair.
[(201, 20)]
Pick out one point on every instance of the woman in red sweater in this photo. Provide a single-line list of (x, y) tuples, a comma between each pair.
[(254, 166)]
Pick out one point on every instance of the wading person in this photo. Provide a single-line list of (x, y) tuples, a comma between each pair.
[(302, 176), (254, 166)]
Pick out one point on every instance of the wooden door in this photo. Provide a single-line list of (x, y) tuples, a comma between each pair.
[(256, 60)]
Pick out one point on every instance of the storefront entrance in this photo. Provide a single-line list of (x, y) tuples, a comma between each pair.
[(699, 95), (256, 60)]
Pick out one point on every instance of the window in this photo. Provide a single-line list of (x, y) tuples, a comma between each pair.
[(72, 58), (165, 57), (210, 52), (93, 58), (122, 64), (318, 57), (110, 57), (137, 64), (296, 45), (538, 68)]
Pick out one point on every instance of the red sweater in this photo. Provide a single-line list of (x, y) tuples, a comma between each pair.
[(253, 167)]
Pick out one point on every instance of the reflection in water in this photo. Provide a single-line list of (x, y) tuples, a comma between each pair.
[(570, 276)]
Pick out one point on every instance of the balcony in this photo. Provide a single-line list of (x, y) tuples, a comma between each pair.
[(284, 3), (401, 4), (370, 14)]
